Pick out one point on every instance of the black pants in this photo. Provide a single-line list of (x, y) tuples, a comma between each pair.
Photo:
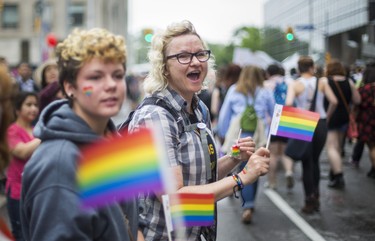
[(311, 166), (358, 150), (14, 213)]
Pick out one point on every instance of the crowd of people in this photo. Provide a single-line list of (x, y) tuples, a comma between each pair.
[(70, 101)]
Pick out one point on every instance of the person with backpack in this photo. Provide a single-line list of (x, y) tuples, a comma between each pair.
[(180, 61), (247, 97), (276, 82), (308, 92)]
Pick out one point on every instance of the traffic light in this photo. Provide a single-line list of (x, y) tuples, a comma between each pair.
[(289, 34), (148, 33)]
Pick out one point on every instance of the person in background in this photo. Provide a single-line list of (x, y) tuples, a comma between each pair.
[(206, 93), (249, 89), (91, 74), (276, 82), (359, 145), (301, 92), (366, 115), (46, 75), (338, 124), (4, 64), (227, 76), (6, 117), (293, 73), (24, 80), (22, 144), (179, 64)]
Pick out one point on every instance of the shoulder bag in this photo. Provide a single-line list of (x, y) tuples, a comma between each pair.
[(352, 131)]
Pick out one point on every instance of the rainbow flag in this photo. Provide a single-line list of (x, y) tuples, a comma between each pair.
[(293, 122), (119, 168), (192, 209)]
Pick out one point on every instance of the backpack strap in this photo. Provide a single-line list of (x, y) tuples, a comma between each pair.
[(154, 100), (202, 108)]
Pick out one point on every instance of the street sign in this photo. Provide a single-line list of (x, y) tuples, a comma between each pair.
[(304, 27)]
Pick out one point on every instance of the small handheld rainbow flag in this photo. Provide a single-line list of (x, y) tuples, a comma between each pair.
[(192, 209), (119, 169), (293, 122)]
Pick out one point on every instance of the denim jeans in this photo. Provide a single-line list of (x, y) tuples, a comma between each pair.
[(249, 192), (14, 213)]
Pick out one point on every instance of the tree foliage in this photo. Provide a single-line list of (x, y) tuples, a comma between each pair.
[(278, 47), (249, 37)]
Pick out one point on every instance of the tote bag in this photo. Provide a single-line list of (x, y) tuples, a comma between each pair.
[(300, 149)]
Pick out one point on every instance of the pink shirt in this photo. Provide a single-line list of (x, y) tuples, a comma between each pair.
[(16, 134)]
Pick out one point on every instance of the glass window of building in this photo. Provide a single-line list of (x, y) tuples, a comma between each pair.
[(77, 15), (10, 16)]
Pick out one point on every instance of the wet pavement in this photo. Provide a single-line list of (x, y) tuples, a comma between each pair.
[(347, 214)]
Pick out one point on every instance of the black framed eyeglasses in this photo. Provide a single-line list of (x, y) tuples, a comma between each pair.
[(186, 58)]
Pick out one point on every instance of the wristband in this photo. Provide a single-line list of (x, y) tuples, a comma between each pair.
[(244, 170), (239, 185), (238, 180)]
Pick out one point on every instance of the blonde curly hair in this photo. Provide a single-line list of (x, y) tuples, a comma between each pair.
[(81, 46), (157, 79)]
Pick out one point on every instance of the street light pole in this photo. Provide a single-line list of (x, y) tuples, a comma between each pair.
[(311, 11), (90, 20), (326, 40)]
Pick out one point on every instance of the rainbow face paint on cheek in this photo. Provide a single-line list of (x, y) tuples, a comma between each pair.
[(87, 90)]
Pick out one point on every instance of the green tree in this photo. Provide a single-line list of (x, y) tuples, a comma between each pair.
[(277, 46), (223, 53), (249, 37)]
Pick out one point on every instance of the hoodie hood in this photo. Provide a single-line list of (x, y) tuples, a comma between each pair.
[(58, 121)]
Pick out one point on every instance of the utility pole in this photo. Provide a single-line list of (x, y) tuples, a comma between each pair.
[(311, 22), (90, 20), (326, 40)]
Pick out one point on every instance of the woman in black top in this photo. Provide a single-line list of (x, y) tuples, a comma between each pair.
[(346, 94)]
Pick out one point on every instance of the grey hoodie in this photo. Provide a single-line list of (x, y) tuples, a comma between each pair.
[(50, 200)]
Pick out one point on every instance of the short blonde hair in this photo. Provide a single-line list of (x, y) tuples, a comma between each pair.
[(82, 46), (157, 79)]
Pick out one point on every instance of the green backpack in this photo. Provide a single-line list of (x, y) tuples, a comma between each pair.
[(249, 119)]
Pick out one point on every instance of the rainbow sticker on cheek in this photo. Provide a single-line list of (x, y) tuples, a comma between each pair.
[(87, 90)]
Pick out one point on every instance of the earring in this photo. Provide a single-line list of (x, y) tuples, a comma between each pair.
[(71, 95)]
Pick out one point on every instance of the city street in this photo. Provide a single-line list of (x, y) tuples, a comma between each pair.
[(346, 215)]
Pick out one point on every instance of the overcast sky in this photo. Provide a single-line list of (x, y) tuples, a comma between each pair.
[(214, 20)]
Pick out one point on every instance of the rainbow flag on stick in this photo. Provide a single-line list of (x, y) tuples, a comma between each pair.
[(119, 169), (293, 122), (192, 209)]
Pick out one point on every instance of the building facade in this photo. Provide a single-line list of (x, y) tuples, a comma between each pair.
[(26, 25), (342, 28)]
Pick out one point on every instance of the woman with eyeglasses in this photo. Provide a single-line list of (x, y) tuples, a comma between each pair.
[(180, 61)]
